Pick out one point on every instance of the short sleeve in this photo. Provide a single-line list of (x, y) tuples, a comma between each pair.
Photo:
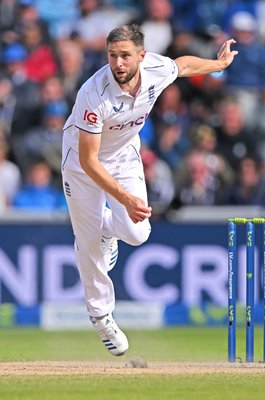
[(171, 70), (87, 111)]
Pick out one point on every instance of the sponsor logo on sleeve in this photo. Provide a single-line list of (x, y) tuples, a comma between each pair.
[(90, 117)]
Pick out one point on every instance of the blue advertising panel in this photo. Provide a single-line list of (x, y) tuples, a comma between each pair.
[(181, 265)]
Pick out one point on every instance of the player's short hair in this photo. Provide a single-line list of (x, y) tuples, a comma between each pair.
[(127, 32)]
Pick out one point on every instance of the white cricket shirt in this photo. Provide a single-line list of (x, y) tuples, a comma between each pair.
[(102, 107)]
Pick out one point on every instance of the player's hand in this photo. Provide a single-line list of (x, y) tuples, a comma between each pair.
[(225, 54), (137, 209)]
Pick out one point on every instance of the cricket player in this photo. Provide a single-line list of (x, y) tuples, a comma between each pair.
[(102, 170)]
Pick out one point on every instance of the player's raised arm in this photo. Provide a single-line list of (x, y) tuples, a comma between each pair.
[(190, 65)]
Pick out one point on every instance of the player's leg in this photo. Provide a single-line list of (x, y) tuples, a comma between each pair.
[(86, 203), (117, 222)]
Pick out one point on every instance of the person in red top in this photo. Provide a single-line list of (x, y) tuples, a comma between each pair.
[(40, 63)]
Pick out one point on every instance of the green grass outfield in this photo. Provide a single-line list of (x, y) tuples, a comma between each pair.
[(74, 365)]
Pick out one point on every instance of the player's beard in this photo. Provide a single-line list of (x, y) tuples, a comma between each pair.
[(125, 79)]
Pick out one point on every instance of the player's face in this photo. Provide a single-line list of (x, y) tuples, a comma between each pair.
[(124, 60)]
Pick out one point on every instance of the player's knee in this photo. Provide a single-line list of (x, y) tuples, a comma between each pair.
[(138, 234)]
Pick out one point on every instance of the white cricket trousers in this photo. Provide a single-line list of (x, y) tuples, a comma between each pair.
[(90, 220)]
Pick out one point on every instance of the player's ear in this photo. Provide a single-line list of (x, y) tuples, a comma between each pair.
[(142, 54)]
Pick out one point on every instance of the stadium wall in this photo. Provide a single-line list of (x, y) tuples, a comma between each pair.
[(178, 277)]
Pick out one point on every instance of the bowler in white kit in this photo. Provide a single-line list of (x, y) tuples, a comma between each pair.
[(102, 170)]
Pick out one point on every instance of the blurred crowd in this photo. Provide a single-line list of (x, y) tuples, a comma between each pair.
[(204, 142)]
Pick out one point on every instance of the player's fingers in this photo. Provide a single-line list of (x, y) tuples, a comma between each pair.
[(229, 43), (147, 211), (136, 218), (221, 50), (226, 47), (141, 216), (144, 209)]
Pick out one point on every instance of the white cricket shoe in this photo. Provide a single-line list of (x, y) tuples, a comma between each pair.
[(112, 337), (110, 250)]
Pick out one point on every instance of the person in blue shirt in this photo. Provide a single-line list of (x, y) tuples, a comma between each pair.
[(38, 193), (245, 79)]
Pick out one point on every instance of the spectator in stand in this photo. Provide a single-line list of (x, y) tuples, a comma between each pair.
[(7, 13), (7, 105), (260, 15), (26, 92), (200, 186), (72, 68), (27, 14), (208, 92), (127, 4), (58, 15), (52, 90), (246, 78), (234, 139), (185, 15), (235, 6), (159, 183), (199, 16), (203, 138), (156, 25), (54, 119), (10, 176), (171, 120), (249, 188), (170, 108), (120, 12), (44, 141), (41, 62), (185, 42), (38, 192), (210, 14), (7, 21), (90, 31), (171, 143), (147, 134)]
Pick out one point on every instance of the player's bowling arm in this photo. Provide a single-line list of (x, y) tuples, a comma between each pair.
[(89, 145), (190, 65)]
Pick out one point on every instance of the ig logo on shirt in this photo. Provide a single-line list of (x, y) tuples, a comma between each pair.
[(90, 117)]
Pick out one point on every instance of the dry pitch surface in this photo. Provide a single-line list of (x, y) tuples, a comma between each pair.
[(133, 366)]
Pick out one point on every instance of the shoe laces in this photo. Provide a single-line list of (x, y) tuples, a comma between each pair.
[(109, 332)]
